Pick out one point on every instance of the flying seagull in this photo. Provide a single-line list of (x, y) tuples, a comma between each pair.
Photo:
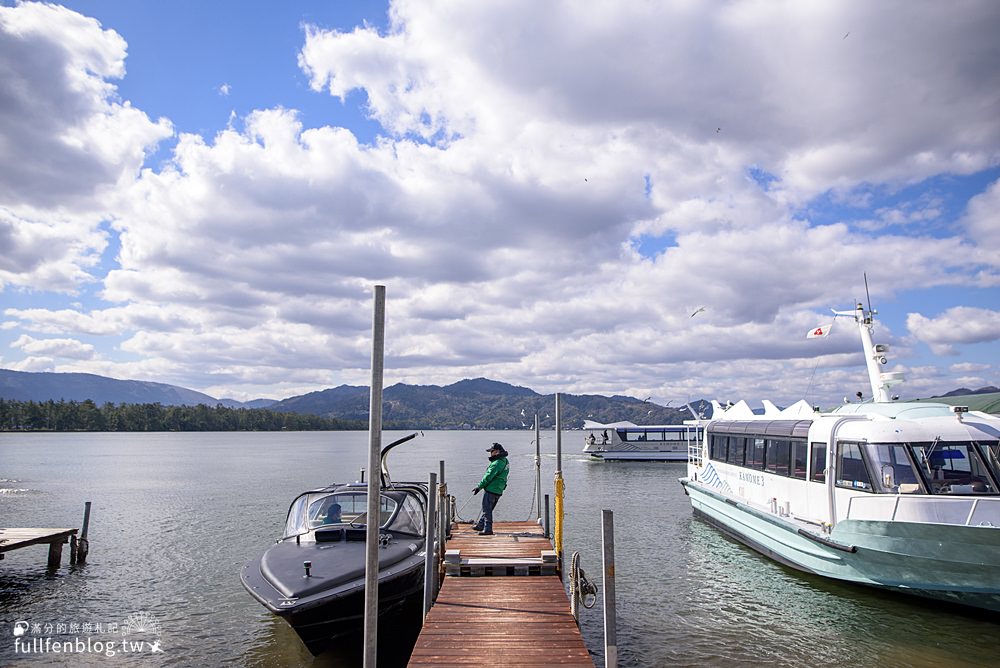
[(848, 33), (700, 309)]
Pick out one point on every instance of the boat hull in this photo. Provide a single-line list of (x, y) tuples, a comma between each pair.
[(957, 564), (639, 456), (335, 617)]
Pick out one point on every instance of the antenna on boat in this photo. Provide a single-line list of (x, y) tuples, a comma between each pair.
[(868, 294), (874, 354)]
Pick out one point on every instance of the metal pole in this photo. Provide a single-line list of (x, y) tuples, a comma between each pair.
[(558, 540), (443, 523), (374, 480), (431, 537), (538, 471), (548, 527), (610, 616)]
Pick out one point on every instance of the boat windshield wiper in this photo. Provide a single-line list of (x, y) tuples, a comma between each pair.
[(927, 455)]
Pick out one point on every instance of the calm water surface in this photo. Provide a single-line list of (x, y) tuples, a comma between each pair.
[(176, 515)]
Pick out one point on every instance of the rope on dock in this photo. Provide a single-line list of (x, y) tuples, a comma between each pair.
[(581, 590)]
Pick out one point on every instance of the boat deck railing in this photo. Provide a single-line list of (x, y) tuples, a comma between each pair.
[(960, 510)]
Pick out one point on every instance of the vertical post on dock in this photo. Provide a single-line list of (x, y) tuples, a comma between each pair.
[(83, 545), (431, 537), (610, 614), (558, 540), (444, 522), (538, 471), (374, 480), (548, 527)]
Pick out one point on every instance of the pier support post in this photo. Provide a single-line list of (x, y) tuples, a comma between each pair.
[(55, 554), (610, 614), (538, 470), (558, 538), (431, 537), (548, 528), (374, 480), (83, 545)]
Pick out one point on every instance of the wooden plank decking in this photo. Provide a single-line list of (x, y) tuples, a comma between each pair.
[(491, 620), (15, 539)]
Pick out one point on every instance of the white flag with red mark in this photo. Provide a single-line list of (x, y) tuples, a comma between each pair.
[(822, 330)]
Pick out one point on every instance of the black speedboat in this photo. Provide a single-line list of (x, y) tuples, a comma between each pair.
[(314, 576)]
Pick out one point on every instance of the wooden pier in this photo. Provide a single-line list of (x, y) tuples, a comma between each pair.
[(501, 603), (15, 539)]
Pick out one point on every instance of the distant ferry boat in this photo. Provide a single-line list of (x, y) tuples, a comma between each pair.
[(903, 496), (630, 442)]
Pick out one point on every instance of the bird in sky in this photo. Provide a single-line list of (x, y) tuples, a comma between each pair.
[(848, 33), (700, 309)]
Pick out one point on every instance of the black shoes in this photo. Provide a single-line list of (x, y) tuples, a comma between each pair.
[(485, 533)]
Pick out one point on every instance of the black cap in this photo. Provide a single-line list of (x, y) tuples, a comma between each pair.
[(493, 447)]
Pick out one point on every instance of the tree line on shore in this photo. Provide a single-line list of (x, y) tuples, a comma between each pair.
[(88, 416)]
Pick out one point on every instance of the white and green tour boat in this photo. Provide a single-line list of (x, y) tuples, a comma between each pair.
[(903, 496), (625, 441)]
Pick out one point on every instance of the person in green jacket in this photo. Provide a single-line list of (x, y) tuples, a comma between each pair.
[(493, 484)]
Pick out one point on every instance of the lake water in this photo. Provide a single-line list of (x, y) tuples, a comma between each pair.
[(175, 516)]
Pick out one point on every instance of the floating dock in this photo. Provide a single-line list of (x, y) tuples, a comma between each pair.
[(501, 603)]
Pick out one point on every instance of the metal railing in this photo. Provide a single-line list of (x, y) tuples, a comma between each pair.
[(981, 511)]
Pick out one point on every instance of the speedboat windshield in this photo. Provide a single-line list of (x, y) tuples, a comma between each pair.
[(320, 509), (398, 512)]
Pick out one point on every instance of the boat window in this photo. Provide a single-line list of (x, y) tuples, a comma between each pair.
[(818, 470), (851, 471), (296, 523), (952, 468), (755, 453), (777, 455), (410, 518), (799, 458), (894, 472), (719, 447), (992, 452), (736, 450)]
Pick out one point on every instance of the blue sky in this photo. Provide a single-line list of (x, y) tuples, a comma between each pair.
[(204, 193)]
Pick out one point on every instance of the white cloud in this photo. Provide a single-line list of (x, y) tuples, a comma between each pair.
[(522, 166), (982, 219), (957, 325), (66, 140), (52, 348)]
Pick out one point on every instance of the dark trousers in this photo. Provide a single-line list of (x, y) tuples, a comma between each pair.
[(485, 522)]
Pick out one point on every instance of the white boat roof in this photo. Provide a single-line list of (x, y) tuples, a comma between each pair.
[(625, 424)]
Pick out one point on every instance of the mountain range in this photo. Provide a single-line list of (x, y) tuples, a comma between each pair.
[(468, 404), (477, 403)]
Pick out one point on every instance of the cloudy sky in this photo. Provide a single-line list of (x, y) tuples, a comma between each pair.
[(205, 194)]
